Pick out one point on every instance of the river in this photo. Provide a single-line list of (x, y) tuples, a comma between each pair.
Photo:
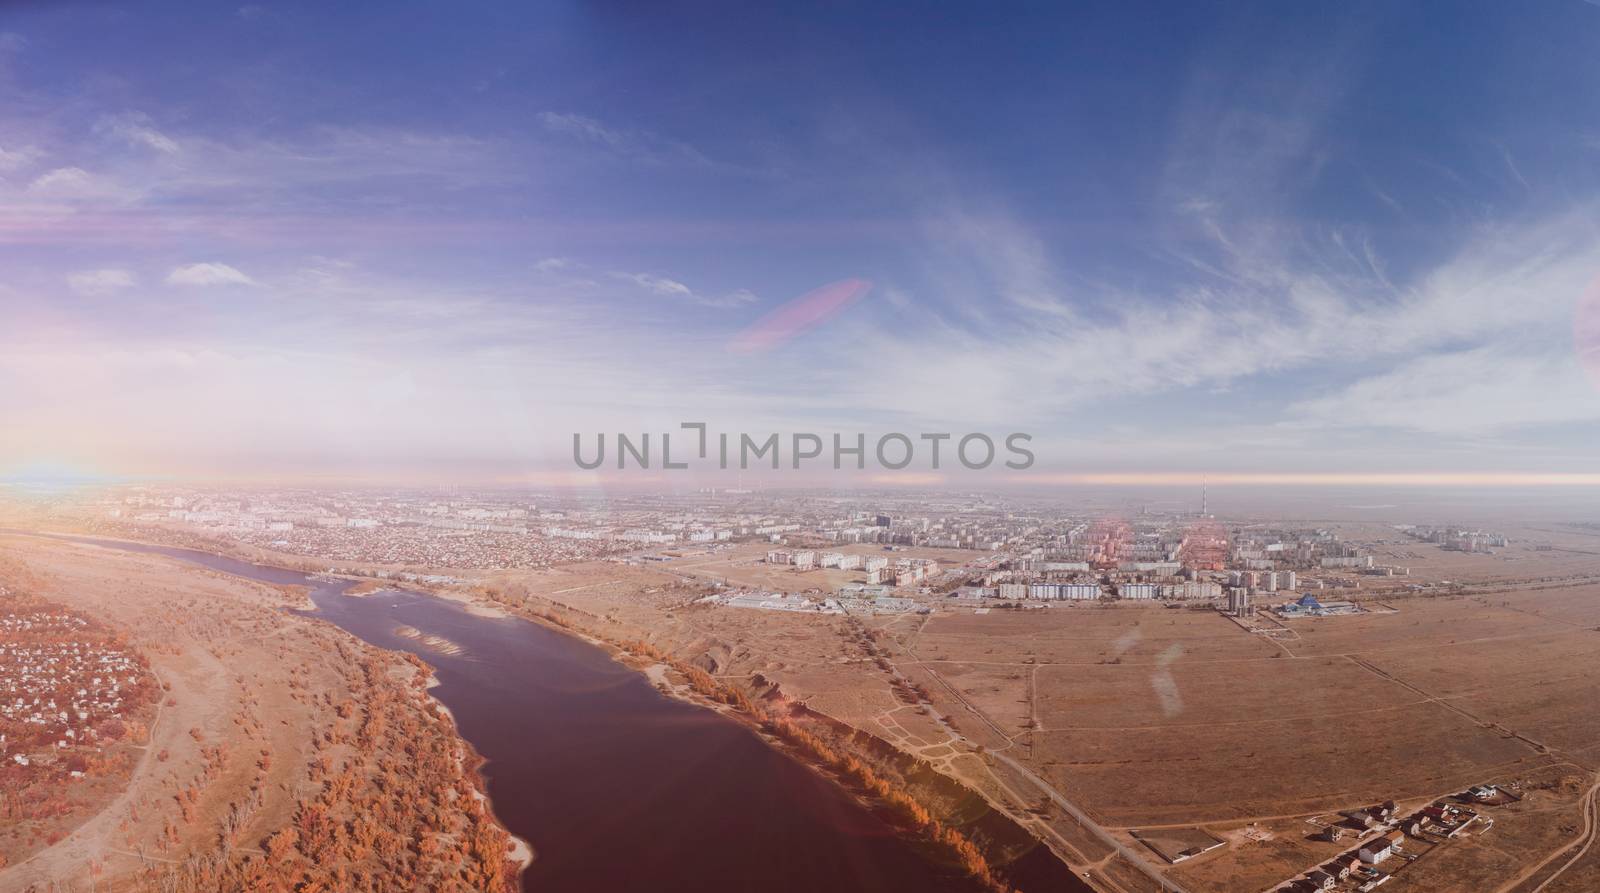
[(616, 786)]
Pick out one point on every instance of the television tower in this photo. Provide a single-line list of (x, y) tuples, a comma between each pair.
[(1203, 512)]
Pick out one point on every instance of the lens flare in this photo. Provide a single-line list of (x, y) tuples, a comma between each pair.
[(800, 315)]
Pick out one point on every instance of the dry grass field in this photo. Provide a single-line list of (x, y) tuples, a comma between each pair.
[(1155, 718), (1151, 717)]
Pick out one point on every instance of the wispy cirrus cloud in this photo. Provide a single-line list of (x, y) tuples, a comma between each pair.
[(634, 145), (1494, 320), (1489, 389), (69, 181), (137, 129), (576, 275), (236, 181), (672, 288), (18, 157)]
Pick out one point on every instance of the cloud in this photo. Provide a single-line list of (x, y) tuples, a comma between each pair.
[(1309, 322), (634, 145), (209, 181), (672, 288), (70, 187), (584, 128), (736, 298), (99, 282), (137, 130), (208, 274), (1009, 259), (15, 159), (1482, 391), (1054, 319), (63, 180), (658, 284)]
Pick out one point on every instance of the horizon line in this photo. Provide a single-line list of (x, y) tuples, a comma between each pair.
[(909, 479)]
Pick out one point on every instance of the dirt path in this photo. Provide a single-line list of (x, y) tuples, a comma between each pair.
[(1585, 842)]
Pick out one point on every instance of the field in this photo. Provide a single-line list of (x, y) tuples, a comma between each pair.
[(1165, 720), (1158, 718)]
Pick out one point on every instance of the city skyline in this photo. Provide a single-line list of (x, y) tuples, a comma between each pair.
[(1337, 245)]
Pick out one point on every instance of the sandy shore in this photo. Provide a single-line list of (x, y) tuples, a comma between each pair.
[(521, 850)]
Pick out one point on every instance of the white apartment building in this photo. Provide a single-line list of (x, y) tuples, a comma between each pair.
[(1140, 591)]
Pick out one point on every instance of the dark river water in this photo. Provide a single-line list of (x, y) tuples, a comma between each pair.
[(618, 787)]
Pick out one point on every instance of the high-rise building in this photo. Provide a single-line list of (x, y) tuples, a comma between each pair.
[(1239, 601)]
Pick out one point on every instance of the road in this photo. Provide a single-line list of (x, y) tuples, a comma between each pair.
[(1134, 858)]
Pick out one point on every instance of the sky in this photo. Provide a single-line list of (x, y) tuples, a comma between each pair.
[(436, 241)]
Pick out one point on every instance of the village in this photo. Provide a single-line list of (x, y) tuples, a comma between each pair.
[(69, 691), (1384, 840)]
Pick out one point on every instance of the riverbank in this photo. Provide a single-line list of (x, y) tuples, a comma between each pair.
[(471, 762), (283, 747), (858, 768), (820, 663), (197, 714), (851, 760)]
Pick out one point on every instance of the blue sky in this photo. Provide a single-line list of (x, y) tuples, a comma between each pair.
[(294, 239)]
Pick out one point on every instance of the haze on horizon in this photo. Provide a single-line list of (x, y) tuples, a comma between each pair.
[(287, 240)]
